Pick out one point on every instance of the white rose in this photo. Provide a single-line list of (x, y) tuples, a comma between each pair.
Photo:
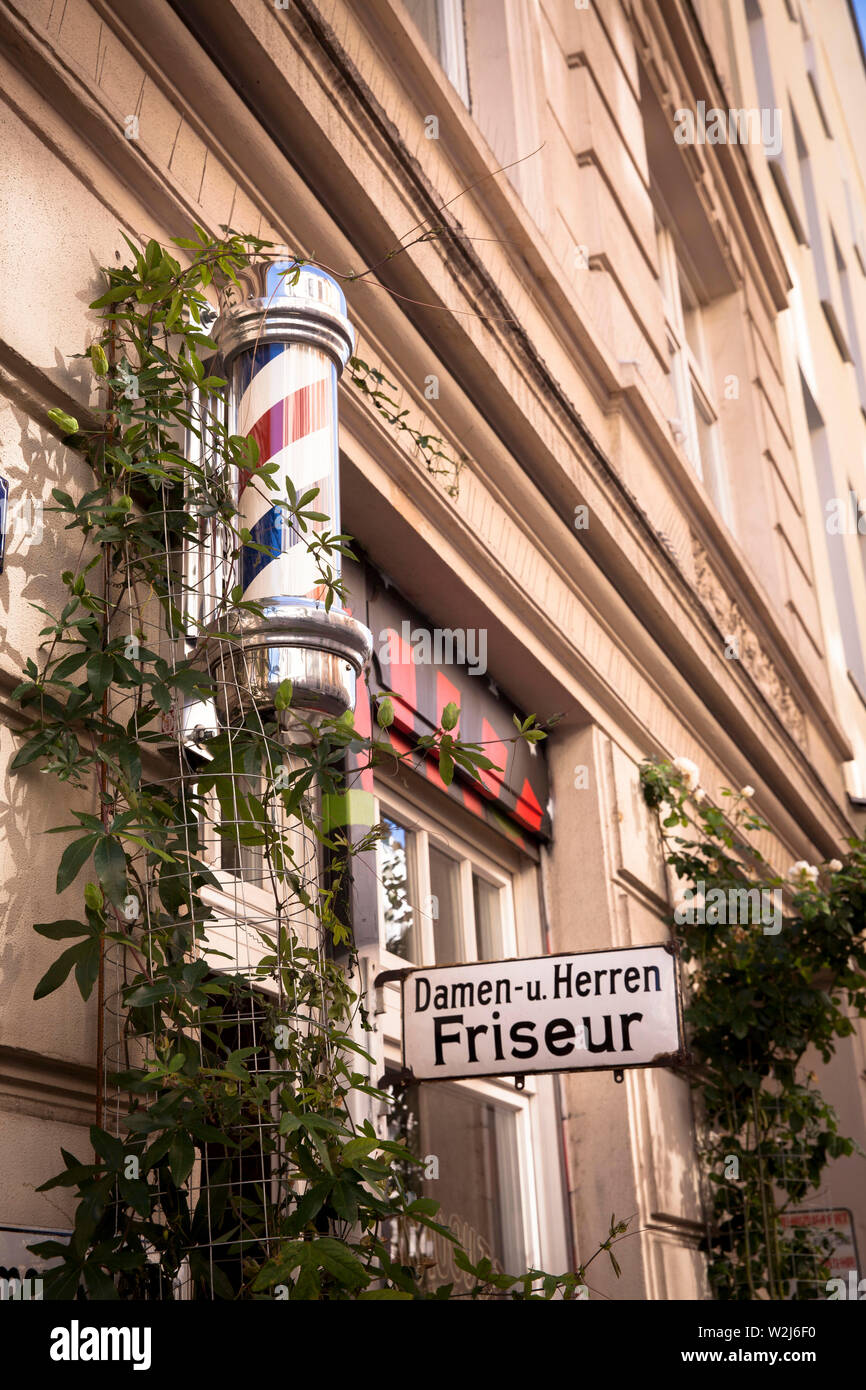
[(699, 795), (803, 869), (747, 792), (690, 772), (835, 866)]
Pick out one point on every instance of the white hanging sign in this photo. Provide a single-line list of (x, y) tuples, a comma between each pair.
[(587, 1012)]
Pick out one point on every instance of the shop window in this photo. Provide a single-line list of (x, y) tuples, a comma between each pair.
[(486, 899), (440, 900), (397, 876), (445, 906), (476, 1149)]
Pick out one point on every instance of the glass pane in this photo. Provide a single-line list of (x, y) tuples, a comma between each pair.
[(478, 1183), (426, 16), (397, 855), (488, 918), (691, 324), (445, 907)]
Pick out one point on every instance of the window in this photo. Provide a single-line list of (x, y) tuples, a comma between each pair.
[(442, 25), (479, 1142), (813, 217), (445, 898), (697, 423), (767, 101), (845, 606), (855, 224), (440, 900), (817, 242), (811, 57), (488, 927), (399, 891), (855, 353)]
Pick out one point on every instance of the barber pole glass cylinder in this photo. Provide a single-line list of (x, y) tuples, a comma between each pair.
[(283, 348)]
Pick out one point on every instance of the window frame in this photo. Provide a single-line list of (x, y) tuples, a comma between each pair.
[(449, 51), (429, 830), (692, 388)]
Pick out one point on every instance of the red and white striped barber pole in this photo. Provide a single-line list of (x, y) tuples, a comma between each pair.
[(283, 349), (285, 396)]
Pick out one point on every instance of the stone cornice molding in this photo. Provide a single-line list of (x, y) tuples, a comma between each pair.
[(735, 630)]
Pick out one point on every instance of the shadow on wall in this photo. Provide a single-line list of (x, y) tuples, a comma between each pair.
[(39, 549)]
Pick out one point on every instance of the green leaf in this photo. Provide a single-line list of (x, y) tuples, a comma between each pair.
[(181, 1157), (57, 973), (107, 1146), (110, 862), (283, 696), (357, 1148), (100, 671), (68, 665), (58, 931), (423, 1206), (385, 713), (87, 967), (143, 995), (31, 750), (74, 857), (339, 1261)]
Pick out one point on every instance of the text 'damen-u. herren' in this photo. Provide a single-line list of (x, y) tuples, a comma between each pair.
[(584, 1012)]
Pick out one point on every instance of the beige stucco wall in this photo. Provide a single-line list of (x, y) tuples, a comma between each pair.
[(541, 317)]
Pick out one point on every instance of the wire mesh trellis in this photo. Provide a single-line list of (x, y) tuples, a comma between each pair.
[(238, 913), (762, 1241)]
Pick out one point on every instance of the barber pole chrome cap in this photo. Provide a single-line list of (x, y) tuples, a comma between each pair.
[(283, 348)]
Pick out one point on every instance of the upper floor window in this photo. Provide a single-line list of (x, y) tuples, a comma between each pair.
[(812, 73), (698, 418), (442, 23)]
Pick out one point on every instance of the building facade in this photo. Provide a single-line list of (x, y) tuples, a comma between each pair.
[(637, 320)]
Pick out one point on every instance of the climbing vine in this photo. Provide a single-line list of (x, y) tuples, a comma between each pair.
[(775, 968), (227, 1162)]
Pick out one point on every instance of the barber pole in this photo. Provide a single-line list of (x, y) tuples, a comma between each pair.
[(283, 349), (287, 402)]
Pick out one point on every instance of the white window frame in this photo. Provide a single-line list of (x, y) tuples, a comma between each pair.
[(452, 45), (692, 388), (519, 1108), (430, 831), (450, 48)]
